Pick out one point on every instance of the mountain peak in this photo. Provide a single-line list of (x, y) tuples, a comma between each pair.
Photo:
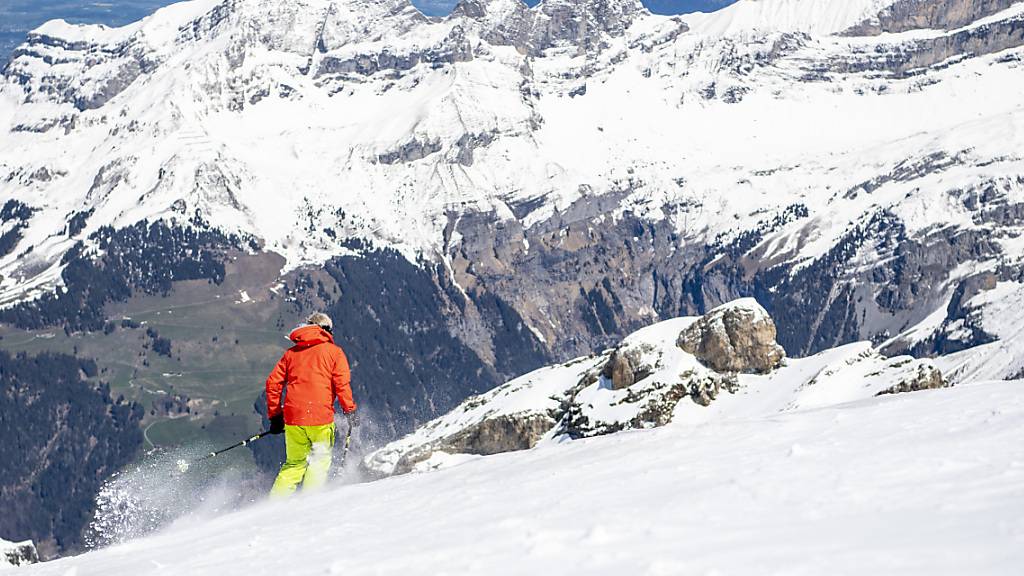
[(482, 9), (580, 24)]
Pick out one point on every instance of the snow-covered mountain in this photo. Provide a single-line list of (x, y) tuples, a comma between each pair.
[(855, 165), (479, 195)]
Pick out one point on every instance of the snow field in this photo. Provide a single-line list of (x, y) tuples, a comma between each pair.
[(924, 483)]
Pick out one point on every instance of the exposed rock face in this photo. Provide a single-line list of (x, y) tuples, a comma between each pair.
[(502, 22), (582, 23), (584, 286), (737, 338), (901, 60), (640, 383), (454, 48), (927, 377), (962, 327), (928, 14), (18, 553), (412, 150), (585, 25), (649, 376), (127, 61), (513, 416)]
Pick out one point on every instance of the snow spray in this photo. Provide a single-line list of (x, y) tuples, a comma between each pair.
[(155, 493)]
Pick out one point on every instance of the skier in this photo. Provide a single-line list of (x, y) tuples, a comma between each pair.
[(316, 372)]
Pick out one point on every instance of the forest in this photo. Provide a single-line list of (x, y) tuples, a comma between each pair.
[(68, 435), (144, 258)]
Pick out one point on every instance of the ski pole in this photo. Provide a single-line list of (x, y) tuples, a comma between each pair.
[(183, 465), (348, 444)]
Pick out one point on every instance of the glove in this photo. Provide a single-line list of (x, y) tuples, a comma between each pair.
[(353, 419), (277, 424)]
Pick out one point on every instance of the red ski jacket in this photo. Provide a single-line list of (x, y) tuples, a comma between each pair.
[(316, 371)]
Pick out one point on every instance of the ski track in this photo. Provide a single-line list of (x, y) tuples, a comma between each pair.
[(830, 490)]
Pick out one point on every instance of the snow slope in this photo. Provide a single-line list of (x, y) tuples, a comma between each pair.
[(925, 483)]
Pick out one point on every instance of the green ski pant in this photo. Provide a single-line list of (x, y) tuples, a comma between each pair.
[(307, 460)]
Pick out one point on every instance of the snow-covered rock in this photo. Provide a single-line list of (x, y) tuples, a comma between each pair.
[(926, 377), (514, 416), (651, 380), (735, 337), (17, 553)]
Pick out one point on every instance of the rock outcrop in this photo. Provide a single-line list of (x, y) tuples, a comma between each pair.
[(583, 26), (17, 553), (736, 337), (503, 433), (635, 385), (911, 58), (647, 376), (645, 382), (925, 377), (513, 416)]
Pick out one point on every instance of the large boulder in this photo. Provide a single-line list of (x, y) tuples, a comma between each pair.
[(738, 337)]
